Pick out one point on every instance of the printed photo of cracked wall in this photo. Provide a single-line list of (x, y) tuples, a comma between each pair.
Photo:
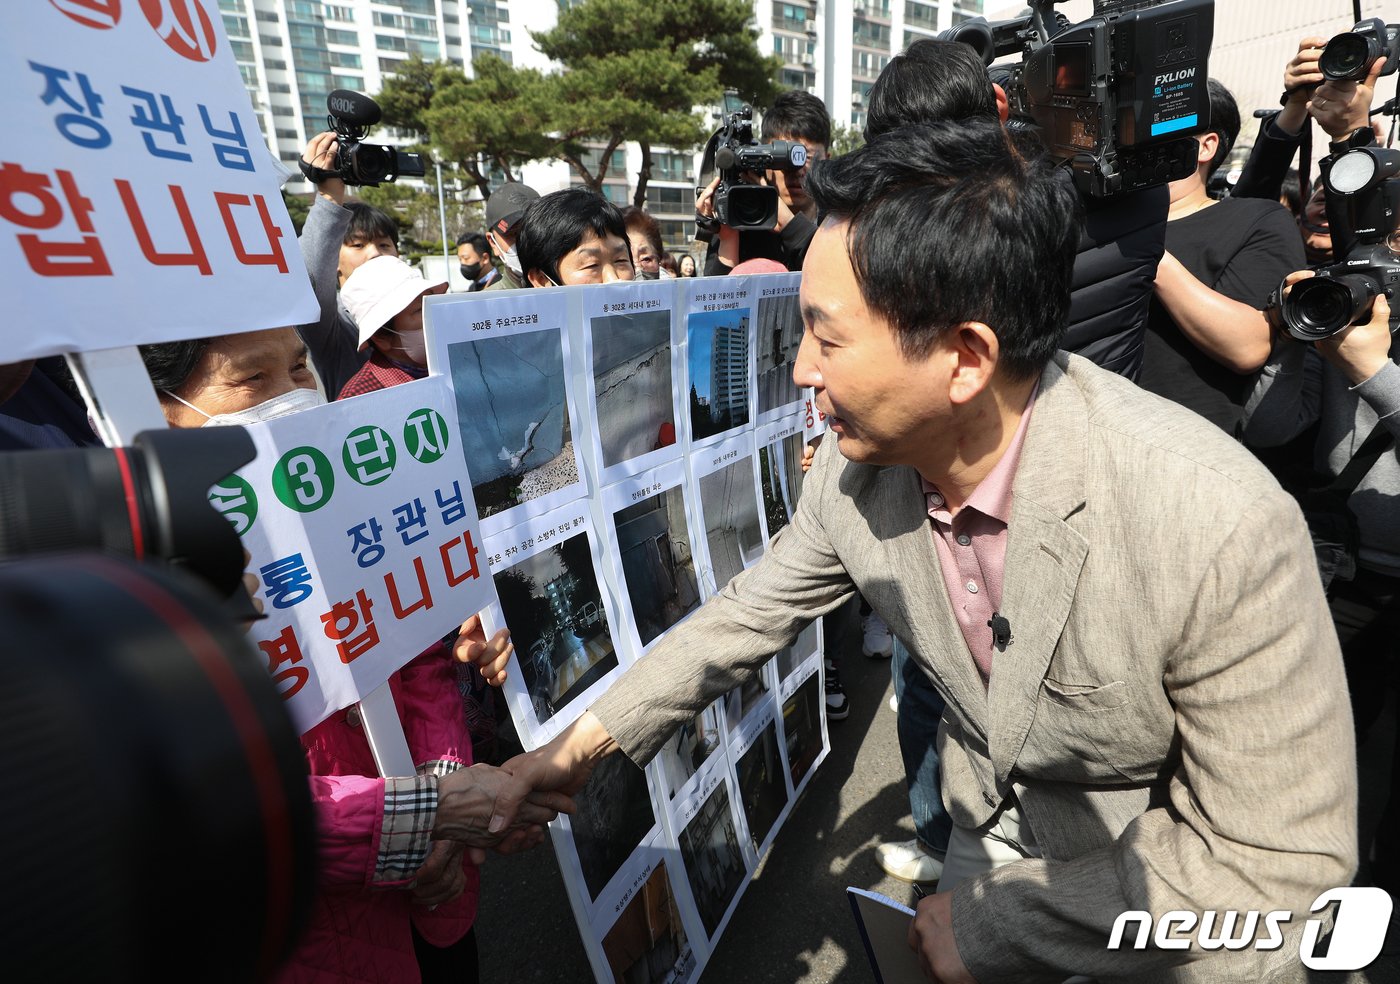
[(761, 788), (612, 813), (714, 862), (718, 359), (779, 335), (657, 563), (774, 506), (647, 944), (513, 418), (729, 504), (558, 624), (632, 382)]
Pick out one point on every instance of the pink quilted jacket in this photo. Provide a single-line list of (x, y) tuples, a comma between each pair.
[(359, 930)]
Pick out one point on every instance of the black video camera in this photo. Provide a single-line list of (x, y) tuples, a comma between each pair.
[(1118, 96), (352, 115), (1365, 181), (1348, 57), (732, 151)]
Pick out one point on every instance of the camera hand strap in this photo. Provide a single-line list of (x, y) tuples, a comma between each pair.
[(1375, 445)]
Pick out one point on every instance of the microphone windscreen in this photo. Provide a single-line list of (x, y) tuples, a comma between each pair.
[(354, 108)]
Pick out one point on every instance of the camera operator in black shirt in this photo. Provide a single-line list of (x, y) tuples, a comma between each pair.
[(795, 116)]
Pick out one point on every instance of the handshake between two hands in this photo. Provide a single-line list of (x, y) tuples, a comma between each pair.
[(504, 809)]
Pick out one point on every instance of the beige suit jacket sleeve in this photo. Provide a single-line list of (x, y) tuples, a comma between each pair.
[(736, 632), (1262, 805)]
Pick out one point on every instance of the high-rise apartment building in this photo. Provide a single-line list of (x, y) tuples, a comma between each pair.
[(729, 368)]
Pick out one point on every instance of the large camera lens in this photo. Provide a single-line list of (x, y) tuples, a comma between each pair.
[(1347, 57), (147, 501), (1322, 306), (159, 817), (749, 208)]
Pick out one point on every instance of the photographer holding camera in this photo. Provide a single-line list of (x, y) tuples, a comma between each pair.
[(1333, 368), (797, 118)]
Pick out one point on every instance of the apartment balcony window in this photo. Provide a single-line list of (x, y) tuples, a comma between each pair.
[(486, 49), (872, 35), (669, 166), (675, 235), (236, 27), (345, 15), (242, 51), (334, 36), (921, 15), (660, 199)]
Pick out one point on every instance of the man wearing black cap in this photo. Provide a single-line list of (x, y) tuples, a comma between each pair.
[(504, 210)]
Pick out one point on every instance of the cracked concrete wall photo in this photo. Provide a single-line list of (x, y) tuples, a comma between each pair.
[(779, 335), (632, 380), (729, 503), (513, 417)]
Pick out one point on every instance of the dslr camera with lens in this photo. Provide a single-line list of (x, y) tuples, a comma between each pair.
[(1117, 96), (1366, 181), (732, 151), (352, 115), (1348, 57)]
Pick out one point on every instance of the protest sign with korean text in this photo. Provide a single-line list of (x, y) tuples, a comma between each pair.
[(364, 540), (140, 203)]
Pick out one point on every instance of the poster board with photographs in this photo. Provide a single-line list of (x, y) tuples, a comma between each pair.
[(719, 359), (627, 341), (550, 590), (660, 519), (506, 359), (724, 478), (778, 317)]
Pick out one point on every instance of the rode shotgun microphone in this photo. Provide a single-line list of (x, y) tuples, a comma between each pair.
[(353, 108)]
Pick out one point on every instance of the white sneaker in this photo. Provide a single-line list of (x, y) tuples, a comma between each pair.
[(908, 861), (877, 642)]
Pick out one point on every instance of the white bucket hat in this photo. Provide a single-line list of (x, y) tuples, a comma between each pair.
[(379, 289)]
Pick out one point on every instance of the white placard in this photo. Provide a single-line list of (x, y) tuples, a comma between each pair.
[(713, 851), (551, 592), (138, 202), (506, 358), (650, 531), (719, 382), (648, 937), (780, 469), (778, 335), (363, 536), (631, 346), (614, 815), (725, 477)]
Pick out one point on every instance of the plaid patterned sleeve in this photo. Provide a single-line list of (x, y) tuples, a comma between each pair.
[(410, 810), (439, 768)]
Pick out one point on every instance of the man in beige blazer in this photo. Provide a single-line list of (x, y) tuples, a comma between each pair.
[(1167, 727)]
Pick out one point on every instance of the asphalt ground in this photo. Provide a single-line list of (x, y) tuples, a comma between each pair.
[(793, 924)]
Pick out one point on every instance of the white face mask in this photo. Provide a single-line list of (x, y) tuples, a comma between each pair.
[(300, 398), (507, 255), (414, 345)]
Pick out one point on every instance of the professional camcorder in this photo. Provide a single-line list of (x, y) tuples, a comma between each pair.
[(1118, 96), (1348, 57), (352, 115), (1366, 180), (733, 150)]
